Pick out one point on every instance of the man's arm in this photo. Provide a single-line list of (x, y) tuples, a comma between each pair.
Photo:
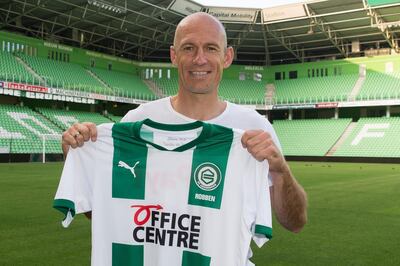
[(75, 136), (289, 200)]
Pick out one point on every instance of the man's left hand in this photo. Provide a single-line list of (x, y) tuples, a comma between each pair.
[(261, 145)]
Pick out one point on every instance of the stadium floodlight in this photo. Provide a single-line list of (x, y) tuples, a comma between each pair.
[(118, 7)]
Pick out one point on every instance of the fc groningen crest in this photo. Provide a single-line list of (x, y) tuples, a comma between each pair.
[(207, 176)]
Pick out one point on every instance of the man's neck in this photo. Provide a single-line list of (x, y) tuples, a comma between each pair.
[(198, 107)]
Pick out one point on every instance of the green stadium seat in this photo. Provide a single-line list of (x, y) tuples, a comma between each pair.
[(65, 75), (125, 84), (27, 128), (64, 119), (372, 88), (373, 137), (312, 90), (12, 70), (309, 137)]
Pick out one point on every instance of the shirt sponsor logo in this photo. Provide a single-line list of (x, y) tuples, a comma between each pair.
[(207, 176), (154, 225)]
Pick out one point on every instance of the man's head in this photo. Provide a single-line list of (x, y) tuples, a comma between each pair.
[(200, 52)]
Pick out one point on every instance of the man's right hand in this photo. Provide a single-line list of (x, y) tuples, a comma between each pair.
[(78, 134)]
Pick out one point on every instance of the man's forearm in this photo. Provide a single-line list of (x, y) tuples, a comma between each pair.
[(289, 201)]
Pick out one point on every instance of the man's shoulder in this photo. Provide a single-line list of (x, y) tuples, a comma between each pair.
[(146, 110), (155, 103), (245, 118), (240, 108), (245, 112)]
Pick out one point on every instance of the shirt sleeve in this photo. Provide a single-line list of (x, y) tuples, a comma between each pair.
[(74, 191), (262, 227)]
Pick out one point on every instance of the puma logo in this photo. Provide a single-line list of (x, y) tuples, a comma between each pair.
[(126, 166)]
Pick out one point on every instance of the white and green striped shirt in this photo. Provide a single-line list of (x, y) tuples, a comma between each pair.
[(161, 194)]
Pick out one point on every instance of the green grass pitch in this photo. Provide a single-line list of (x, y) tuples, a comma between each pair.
[(354, 218)]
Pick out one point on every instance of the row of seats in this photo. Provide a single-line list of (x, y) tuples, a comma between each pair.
[(380, 86), (63, 75), (75, 77), (373, 137), (11, 70), (23, 130), (64, 119), (242, 91), (319, 89), (309, 137), (301, 90), (124, 83), (114, 118), (167, 86)]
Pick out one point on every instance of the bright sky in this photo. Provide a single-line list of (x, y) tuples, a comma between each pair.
[(247, 3)]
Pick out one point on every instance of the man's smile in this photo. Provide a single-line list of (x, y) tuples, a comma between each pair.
[(199, 74)]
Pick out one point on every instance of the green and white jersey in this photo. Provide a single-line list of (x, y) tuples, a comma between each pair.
[(160, 194), (234, 116)]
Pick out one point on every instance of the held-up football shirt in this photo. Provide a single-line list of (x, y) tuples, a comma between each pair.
[(161, 194)]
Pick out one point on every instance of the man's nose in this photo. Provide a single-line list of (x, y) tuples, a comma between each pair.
[(200, 57)]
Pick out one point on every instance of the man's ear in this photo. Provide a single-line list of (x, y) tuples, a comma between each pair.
[(228, 56), (172, 54)]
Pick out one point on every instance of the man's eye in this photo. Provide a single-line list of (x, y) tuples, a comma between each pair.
[(212, 49), (188, 48)]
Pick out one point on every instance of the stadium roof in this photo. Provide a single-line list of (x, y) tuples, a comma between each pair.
[(143, 29), (247, 3)]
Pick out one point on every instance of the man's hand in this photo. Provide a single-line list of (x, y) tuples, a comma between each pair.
[(260, 144), (288, 198), (77, 134)]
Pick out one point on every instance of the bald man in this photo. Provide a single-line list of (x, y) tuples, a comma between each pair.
[(200, 53)]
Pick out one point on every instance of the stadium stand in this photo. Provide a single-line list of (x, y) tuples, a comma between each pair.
[(309, 137), (114, 118), (11, 70), (242, 91), (312, 90), (380, 86), (64, 119), (124, 83), (167, 86), (373, 137), (64, 75), (22, 130)]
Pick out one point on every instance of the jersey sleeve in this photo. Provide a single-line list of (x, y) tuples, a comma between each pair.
[(262, 228), (74, 191)]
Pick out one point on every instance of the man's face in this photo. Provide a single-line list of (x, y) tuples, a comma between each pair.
[(200, 54)]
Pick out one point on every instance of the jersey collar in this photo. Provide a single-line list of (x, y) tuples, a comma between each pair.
[(205, 132)]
